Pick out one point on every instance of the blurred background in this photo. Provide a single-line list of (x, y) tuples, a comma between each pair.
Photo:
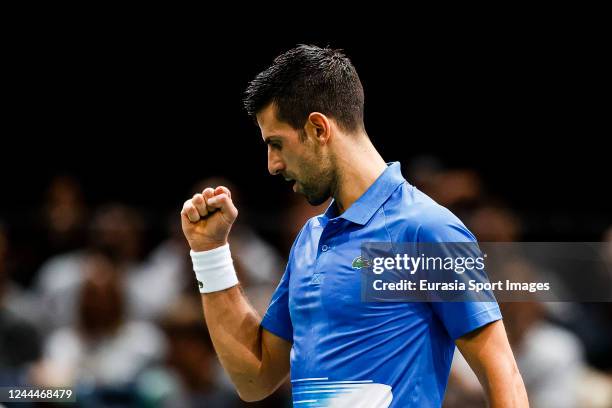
[(110, 130)]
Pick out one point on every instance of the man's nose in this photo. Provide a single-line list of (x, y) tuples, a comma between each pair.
[(275, 163)]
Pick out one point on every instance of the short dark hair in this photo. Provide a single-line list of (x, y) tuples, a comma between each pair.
[(309, 79)]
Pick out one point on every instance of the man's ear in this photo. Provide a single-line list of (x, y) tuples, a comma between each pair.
[(318, 126)]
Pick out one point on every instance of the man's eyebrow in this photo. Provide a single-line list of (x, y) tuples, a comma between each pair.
[(271, 138)]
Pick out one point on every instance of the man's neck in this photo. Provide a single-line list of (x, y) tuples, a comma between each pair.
[(358, 166)]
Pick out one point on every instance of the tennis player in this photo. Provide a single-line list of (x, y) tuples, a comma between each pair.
[(340, 350)]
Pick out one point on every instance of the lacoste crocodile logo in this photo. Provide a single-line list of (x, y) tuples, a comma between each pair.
[(361, 262)]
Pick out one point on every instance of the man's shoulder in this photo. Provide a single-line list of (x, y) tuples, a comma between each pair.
[(419, 217)]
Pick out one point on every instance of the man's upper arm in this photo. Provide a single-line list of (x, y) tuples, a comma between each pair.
[(275, 359), (277, 333), (277, 319), (487, 351), (276, 336)]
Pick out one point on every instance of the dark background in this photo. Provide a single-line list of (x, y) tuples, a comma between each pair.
[(139, 115), (139, 108)]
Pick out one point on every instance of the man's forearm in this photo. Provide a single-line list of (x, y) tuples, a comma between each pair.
[(505, 388), (257, 361), (235, 331)]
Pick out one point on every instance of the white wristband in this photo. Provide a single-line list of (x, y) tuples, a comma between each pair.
[(214, 269)]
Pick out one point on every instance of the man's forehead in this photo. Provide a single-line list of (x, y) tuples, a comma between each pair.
[(269, 124), (267, 116)]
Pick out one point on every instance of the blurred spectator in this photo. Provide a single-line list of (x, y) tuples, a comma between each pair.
[(118, 228), (551, 359), (494, 223), (593, 321), (20, 342), (456, 188), (64, 215), (13, 298), (56, 224), (159, 280), (115, 229), (104, 348), (191, 375)]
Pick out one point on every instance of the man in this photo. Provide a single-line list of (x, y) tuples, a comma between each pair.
[(342, 351)]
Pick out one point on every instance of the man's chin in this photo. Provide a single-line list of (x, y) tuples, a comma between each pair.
[(315, 201)]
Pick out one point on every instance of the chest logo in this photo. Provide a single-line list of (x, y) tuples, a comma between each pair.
[(361, 262)]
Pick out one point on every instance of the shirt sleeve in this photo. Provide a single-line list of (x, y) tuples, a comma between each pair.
[(459, 318)]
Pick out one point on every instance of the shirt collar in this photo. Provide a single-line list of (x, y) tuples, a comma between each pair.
[(362, 210)]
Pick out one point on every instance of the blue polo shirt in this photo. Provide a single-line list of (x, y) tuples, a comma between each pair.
[(347, 352)]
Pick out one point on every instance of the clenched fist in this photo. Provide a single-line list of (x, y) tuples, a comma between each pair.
[(207, 218)]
